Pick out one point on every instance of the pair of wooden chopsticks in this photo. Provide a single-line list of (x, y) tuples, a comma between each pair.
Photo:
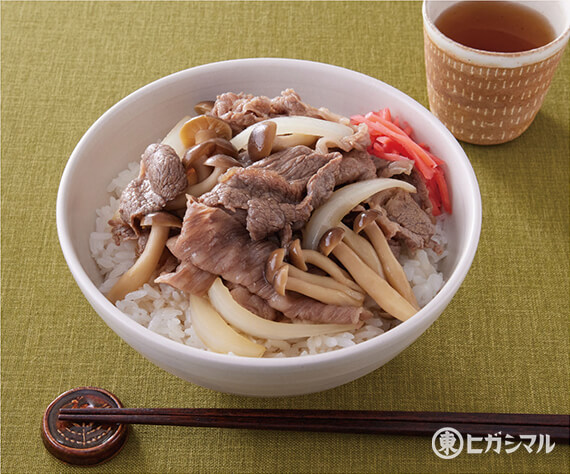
[(339, 421)]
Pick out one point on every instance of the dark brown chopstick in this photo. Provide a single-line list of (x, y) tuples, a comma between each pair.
[(340, 421)]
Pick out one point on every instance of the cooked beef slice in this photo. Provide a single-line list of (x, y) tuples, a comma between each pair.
[(421, 196), (188, 277), (242, 110), (217, 243), (404, 220), (356, 165), (253, 302), (297, 163), (280, 192), (162, 177)]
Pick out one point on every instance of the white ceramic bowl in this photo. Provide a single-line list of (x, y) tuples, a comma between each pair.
[(122, 133)]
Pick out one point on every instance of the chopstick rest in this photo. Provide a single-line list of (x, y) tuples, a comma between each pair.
[(83, 442)]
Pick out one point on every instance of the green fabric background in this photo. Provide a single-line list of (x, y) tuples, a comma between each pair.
[(502, 344)]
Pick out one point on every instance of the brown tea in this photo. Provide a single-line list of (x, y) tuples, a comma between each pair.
[(505, 27)]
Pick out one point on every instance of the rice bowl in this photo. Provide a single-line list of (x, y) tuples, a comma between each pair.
[(123, 131)]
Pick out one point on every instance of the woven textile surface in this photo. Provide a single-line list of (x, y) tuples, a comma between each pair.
[(502, 345)]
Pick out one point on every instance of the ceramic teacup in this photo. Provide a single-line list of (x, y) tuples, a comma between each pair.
[(485, 97)]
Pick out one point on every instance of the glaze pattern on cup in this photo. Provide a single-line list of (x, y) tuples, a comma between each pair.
[(506, 101)]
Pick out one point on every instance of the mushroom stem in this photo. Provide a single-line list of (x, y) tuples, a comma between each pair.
[(321, 293), (324, 263), (326, 282), (363, 249), (141, 271), (219, 164), (204, 186), (300, 257), (393, 270), (378, 288), (282, 282)]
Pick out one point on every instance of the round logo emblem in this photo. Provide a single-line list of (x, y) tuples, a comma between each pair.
[(447, 443)]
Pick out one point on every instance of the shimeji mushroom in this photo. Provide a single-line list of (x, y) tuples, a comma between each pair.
[(202, 128), (393, 270), (160, 224), (219, 164), (301, 257), (362, 248), (204, 107), (264, 140), (198, 154), (287, 277), (379, 290), (261, 140)]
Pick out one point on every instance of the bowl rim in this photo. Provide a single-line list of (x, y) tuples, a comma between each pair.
[(166, 345)]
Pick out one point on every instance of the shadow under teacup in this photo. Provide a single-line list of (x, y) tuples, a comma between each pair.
[(489, 97)]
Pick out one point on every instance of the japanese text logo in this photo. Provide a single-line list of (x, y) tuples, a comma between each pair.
[(448, 443)]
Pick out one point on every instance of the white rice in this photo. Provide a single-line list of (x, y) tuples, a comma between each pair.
[(165, 310)]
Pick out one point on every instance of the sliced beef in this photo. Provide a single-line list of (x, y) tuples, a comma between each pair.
[(162, 178), (404, 169), (356, 166), (242, 110), (404, 220), (188, 277), (217, 243), (280, 192), (421, 196), (253, 302), (270, 201), (300, 163), (290, 103), (297, 163)]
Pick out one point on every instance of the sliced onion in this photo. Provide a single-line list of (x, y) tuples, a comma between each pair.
[(297, 124), (216, 334), (250, 323), (173, 138), (341, 202)]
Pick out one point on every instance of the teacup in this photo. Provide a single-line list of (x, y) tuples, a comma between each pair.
[(488, 97)]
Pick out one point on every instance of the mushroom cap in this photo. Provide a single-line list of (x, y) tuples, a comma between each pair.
[(204, 106), (261, 139), (274, 263), (330, 239), (203, 123), (296, 255), (222, 161), (364, 219), (161, 219), (280, 279)]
